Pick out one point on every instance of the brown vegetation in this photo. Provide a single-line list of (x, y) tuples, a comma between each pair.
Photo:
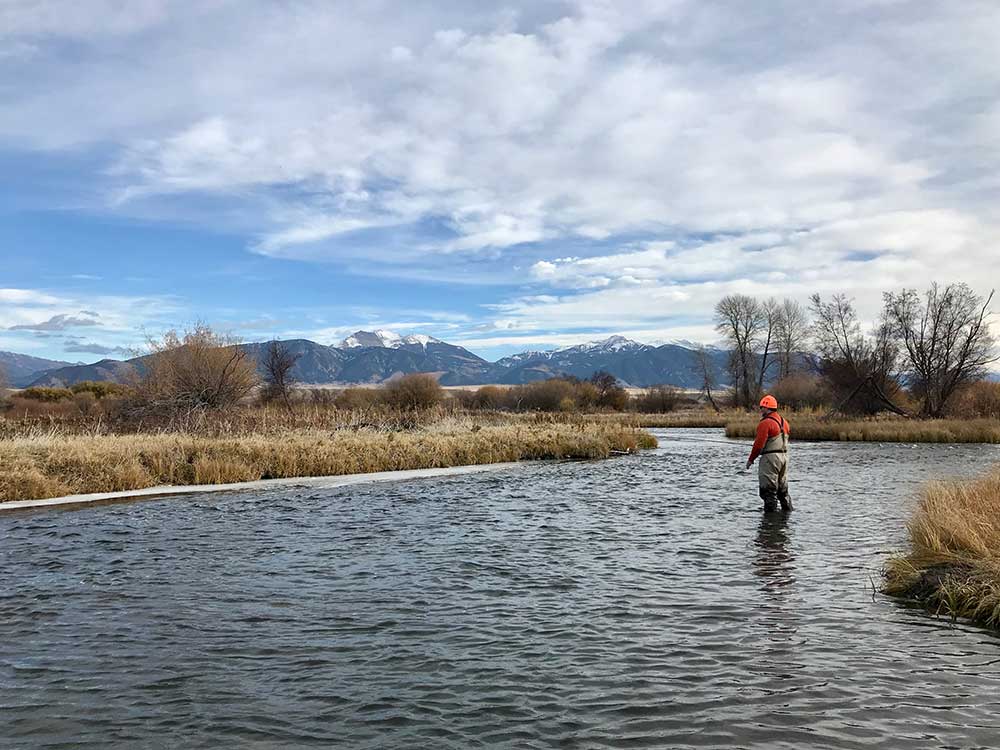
[(52, 463), (947, 339), (884, 430), (278, 380), (953, 564), (48, 395), (659, 399), (413, 392), (199, 369), (979, 400), (801, 390)]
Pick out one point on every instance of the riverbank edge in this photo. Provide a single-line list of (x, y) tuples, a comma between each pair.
[(982, 431), (952, 567), (813, 426), (54, 466), (327, 482)]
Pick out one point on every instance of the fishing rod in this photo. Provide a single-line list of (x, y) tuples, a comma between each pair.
[(706, 440)]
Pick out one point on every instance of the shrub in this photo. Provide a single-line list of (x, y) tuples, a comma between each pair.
[(319, 396), (545, 395), (86, 402), (99, 388), (4, 393), (354, 399), (29, 408), (801, 390), (587, 395), (660, 399), (200, 369), (610, 394), (489, 397), (412, 392), (279, 361), (980, 399), (45, 394)]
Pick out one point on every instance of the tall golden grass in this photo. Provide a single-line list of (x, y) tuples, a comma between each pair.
[(688, 418), (885, 430), (953, 565), (49, 463)]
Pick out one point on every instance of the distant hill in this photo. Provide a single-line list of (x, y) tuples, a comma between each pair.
[(640, 365), (368, 357), (111, 370), (317, 364), (22, 369)]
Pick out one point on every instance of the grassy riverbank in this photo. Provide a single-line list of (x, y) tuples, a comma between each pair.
[(43, 463), (810, 427), (953, 565)]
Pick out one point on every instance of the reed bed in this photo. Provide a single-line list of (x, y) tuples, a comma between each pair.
[(50, 463), (681, 419), (879, 430), (953, 565)]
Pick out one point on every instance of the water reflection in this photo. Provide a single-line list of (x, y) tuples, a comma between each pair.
[(774, 561), (774, 564)]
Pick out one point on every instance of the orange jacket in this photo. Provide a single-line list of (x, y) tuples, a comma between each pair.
[(769, 427)]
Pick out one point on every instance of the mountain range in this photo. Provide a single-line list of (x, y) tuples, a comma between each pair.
[(371, 357), (21, 369)]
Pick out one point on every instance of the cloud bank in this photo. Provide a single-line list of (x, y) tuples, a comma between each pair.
[(623, 164)]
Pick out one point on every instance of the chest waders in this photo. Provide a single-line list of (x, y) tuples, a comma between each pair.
[(772, 469)]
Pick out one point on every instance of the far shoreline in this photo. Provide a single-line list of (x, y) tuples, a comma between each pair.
[(333, 481)]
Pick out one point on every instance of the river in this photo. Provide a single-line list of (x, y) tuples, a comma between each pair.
[(642, 601)]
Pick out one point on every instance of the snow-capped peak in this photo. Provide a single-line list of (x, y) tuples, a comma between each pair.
[(385, 339), (610, 344), (420, 339)]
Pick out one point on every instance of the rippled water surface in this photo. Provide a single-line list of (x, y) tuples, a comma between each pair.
[(638, 602)]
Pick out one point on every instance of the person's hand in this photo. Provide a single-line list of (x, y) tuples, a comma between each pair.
[(749, 463)]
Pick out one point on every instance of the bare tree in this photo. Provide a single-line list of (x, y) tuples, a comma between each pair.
[(278, 379), (748, 327), (610, 395), (4, 385), (199, 369), (861, 369), (771, 311), (792, 332), (946, 338), (705, 368)]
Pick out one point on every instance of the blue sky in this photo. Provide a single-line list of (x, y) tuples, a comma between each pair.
[(504, 176)]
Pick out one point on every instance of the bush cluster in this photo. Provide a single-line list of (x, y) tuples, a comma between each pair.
[(408, 393), (46, 394), (99, 389), (978, 400), (660, 399), (552, 395), (802, 390)]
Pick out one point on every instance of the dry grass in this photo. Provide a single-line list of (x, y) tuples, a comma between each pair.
[(693, 418), (48, 463), (885, 430), (953, 566), (680, 418)]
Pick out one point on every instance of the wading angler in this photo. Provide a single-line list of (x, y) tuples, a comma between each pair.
[(771, 446)]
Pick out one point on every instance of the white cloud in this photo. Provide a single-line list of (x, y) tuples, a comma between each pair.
[(711, 146), (27, 297), (30, 316), (81, 20)]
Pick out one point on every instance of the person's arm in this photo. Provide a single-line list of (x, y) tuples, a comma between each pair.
[(763, 433)]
